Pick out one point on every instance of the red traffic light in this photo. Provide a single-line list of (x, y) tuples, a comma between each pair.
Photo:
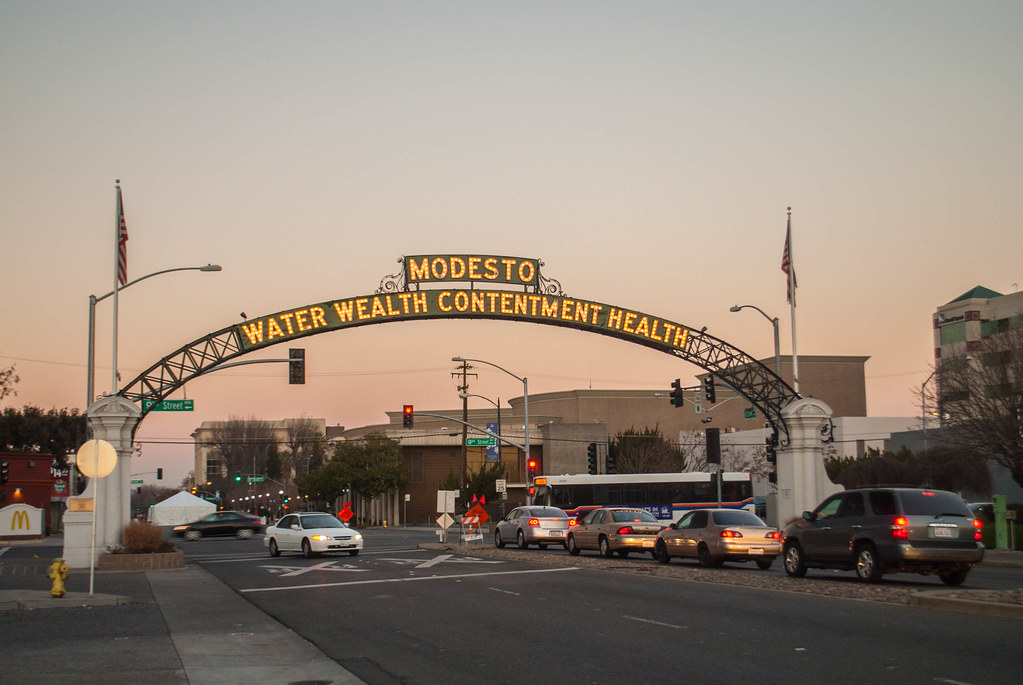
[(408, 415)]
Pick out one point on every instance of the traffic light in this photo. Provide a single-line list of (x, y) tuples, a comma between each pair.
[(531, 468), (772, 442), (159, 474), (713, 445), (772, 477), (5, 472), (591, 458), (677, 394), (408, 415), (708, 389), (609, 462), (296, 367)]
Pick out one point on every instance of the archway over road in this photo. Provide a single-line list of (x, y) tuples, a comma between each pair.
[(422, 290)]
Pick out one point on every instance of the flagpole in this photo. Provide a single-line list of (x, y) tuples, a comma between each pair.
[(117, 274), (792, 301)]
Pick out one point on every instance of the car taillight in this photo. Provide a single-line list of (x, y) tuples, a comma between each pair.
[(730, 534), (773, 535), (978, 526), (900, 528), (572, 522), (625, 530), (534, 522)]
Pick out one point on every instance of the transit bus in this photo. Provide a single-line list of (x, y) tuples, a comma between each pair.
[(665, 495)]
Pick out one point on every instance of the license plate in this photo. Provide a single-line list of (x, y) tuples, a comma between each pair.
[(555, 533), (756, 550), (648, 543), (944, 531)]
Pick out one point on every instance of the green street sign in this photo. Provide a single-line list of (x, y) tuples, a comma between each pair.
[(169, 405), (749, 413), (256, 479), (480, 442), (136, 481)]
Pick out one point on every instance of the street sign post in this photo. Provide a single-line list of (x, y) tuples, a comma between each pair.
[(480, 442)]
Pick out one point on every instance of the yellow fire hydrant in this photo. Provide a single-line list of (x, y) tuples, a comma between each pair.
[(58, 572)]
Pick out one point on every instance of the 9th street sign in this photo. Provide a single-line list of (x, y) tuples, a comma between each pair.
[(480, 442), (169, 405)]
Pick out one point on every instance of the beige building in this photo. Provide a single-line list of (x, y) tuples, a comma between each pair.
[(960, 325)]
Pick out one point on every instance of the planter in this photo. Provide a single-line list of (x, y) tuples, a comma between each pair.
[(141, 562)]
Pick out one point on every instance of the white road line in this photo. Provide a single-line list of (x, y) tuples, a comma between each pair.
[(507, 592), (656, 623), (406, 580), (211, 559)]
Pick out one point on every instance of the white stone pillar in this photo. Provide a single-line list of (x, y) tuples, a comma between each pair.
[(802, 480), (112, 419)]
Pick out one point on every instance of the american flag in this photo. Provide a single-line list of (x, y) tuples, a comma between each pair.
[(786, 264), (122, 242)]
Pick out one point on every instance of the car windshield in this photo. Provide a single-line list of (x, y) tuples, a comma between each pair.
[(736, 517), (548, 512), (321, 521), (932, 503), (632, 516)]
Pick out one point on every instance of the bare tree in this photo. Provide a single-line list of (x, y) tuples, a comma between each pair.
[(8, 379), (244, 445), (306, 445), (979, 399)]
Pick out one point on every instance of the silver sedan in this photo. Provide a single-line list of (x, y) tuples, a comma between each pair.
[(539, 526), (715, 535)]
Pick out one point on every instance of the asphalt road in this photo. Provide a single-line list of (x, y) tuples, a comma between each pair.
[(397, 613)]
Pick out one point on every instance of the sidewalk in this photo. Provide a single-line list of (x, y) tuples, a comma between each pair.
[(176, 626)]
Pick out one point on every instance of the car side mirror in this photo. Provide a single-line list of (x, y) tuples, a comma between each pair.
[(674, 525), (809, 516), (295, 526)]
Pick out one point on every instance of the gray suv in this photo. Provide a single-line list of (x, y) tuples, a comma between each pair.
[(875, 531)]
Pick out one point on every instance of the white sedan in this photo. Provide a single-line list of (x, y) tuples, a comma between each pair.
[(311, 533)]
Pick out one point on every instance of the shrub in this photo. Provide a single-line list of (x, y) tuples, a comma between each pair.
[(144, 538)]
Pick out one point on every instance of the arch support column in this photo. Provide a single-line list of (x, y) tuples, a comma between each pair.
[(111, 418), (802, 479)]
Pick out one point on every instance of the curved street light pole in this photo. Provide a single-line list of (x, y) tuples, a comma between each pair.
[(497, 404), (923, 395), (774, 322), (91, 365), (525, 409)]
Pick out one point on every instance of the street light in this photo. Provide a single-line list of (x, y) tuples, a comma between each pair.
[(91, 366), (774, 322), (464, 395), (525, 397)]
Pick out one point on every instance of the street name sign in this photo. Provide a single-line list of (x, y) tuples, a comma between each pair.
[(480, 442), (169, 405)]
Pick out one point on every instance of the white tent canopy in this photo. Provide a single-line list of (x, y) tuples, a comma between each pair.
[(183, 507)]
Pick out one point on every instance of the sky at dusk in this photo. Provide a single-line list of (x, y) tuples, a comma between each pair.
[(646, 152)]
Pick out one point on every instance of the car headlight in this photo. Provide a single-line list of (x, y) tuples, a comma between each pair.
[(358, 536), (321, 538), (180, 527)]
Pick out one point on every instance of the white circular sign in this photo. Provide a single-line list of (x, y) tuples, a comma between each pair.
[(96, 458)]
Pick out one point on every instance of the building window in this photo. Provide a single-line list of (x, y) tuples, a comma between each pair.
[(953, 333)]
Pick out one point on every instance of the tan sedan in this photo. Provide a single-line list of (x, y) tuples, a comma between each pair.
[(715, 535), (614, 529)]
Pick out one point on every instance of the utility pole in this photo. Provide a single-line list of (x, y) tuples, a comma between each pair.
[(464, 389)]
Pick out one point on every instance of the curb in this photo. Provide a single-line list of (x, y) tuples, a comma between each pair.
[(11, 600), (939, 599)]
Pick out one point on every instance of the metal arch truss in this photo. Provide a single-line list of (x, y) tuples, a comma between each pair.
[(744, 374), (181, 366), (731, 366)]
